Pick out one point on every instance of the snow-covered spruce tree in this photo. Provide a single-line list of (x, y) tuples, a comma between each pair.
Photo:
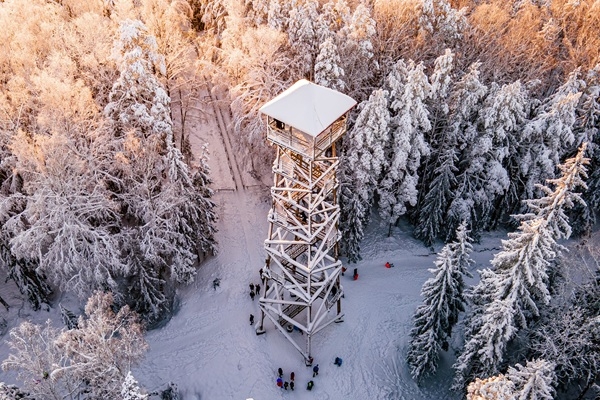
[(548, 137), (432, 213), (130, 390), (438, 173), (502, 118), (587, 128), (397, 189), (168, 211), (466, 99), (355, 44), (507, 297), (534, 381), (360, 166), (335, 14), (328, 73), (443, 301), (302, 33), (89, 361)]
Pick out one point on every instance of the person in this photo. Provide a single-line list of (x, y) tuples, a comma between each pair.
[(292, 376), (388, 265), (252, 295), (310, 360), (257, 289), (333, 291), (251, 319), (260, 271), (279, 382), (216, 283), (310, 385), (252, 287), (292, 385), (315, 370), (355, 276), (338, 361), (285, 385), (280, 372)]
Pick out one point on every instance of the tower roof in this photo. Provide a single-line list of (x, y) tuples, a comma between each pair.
[(308, 107)]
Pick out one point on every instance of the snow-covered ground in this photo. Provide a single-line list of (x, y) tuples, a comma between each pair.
[(210, 350)]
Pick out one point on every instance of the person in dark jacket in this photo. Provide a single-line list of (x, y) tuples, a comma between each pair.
[(315, 370), (280, 372), (338, 361), (292, 385), (285, 385), (292, 376), (310, 385), (252, 295), (251, 319)]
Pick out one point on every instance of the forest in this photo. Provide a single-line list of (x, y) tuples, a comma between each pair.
[(472, 116)]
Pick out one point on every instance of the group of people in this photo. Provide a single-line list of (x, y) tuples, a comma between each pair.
[(285, 384), (254, 290)]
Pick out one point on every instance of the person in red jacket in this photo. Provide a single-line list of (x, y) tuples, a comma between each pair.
[(279, 382), (355, 276)]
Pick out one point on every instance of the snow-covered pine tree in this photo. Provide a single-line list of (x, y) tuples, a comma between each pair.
[(328, 72), (466, 100), (508, 296), (360, 166), (432, 212), (130, 390), (438, 173), (443, 301), (168, 210), (302, 35), (355, 44), (587, 129), (501, 119), (548, 137), (534, 381), (409, 87)]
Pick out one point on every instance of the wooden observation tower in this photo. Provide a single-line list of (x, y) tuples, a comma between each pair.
[(301, 291)]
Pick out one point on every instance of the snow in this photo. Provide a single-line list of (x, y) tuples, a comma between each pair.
[(210, 350), (308, 107)]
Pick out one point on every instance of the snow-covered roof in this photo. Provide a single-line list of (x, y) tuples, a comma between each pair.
[(308, 107)]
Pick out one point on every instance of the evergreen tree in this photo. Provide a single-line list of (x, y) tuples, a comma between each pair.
[(167, 208), (549, 135), (131, 390), (327, 70), (510, 293), (360, 166), (465, 102), (444, 300), (533, 381), (410, 120), (432, 213)]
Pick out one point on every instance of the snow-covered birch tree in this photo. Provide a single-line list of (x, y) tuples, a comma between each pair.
[(92, 359), (443, 301)]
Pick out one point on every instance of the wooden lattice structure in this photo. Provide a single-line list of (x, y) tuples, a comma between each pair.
[(301, 277)]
